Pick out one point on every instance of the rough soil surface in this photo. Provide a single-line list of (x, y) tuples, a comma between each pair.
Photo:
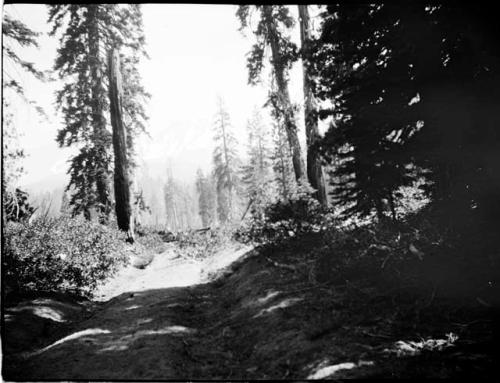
[(244, 314)]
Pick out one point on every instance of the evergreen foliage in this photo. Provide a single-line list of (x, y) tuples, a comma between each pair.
[(273, 30), (366, 74), (15, 35), (226, 164), (206, 199), (281, 156), (180, 205), (256, 174), (413, 89), (87, 32)]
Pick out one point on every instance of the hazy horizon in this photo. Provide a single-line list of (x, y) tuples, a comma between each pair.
[(196, 54)]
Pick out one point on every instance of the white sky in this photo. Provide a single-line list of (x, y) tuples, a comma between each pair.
[(196, 52)]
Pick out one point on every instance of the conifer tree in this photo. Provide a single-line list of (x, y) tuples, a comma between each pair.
[(364, 70), (87, 32), (15, 35), (282, 164), (171, 208), (256, 174), (206, 199), (273, 26), (412, 91), (315, 173), (281, 156), (226, 163)]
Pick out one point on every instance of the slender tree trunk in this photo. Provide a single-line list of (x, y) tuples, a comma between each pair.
[(380, 210), (284, 96), (124, 212), (226, 160), (315, 172), (282, 159), (392, 207), (175, 218), (101, 135)]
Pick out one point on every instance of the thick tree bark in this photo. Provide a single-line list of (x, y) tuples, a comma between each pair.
[(101, 135), (284, 96), (123, 201), (315, 173)]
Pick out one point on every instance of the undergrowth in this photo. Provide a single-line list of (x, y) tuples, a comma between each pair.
[(60, 254), (201, 245)]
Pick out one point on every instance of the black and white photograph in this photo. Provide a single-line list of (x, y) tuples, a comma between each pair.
[(224, 192)]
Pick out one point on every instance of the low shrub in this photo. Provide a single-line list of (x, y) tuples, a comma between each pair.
[(201, 245), (60, 254), (151, 239), (298, 215), (141, 256)]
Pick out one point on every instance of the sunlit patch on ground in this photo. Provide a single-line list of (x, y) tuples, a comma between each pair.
[(208, 330), (250, 302), (143, 321), (410, 348), (124, 342), (42, 312), (133, 307), (270, 295), (213, 266), (323, 372), (74, 336), (168, 330), (281, 305)]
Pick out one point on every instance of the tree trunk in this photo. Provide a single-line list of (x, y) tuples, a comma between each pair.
[(315, 173), (284, 96), (392, 207), (100, 134), (123, 202)]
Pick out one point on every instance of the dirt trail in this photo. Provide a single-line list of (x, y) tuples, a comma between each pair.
[(165, 271), (263, 317), (141, 329)]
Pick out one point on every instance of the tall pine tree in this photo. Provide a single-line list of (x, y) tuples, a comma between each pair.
[(364, 70), (87, 32), (273, 31), (15, 36), (225, 162), (281, 156), (206, 199), (315, 173), (414, 87), (256, 174)]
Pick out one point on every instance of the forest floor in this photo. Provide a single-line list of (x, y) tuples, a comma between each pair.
[(246, 314)]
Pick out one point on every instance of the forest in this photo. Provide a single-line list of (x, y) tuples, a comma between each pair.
[(348, 232)]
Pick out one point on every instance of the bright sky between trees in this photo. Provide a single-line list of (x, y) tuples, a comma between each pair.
[(196, 53)]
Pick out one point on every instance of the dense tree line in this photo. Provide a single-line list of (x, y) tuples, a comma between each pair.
[(414, 90)]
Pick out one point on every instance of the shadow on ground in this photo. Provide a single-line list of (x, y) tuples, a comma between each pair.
[(261, 318)]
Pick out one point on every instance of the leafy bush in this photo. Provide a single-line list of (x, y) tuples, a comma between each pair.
[(202, 245), (16, 205), (151, 239), (283, 219), (61, 254)]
